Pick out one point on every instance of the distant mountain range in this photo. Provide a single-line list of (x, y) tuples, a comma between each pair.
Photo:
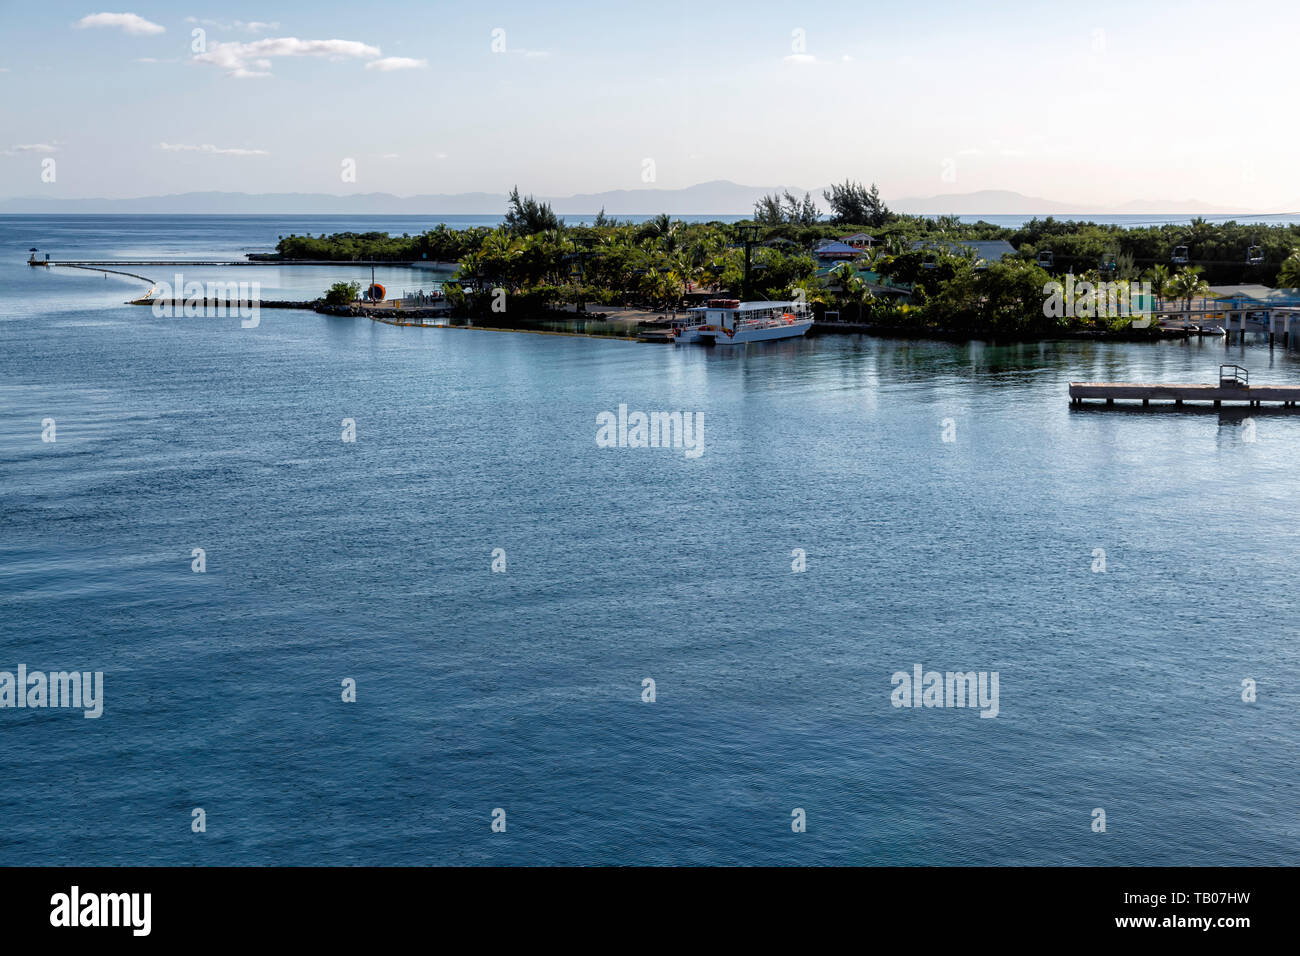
[(719, 197), (1002, 202)]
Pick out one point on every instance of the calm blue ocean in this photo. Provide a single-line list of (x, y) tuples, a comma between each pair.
[(328, 560)]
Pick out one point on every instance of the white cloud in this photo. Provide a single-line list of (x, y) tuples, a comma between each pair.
[(126, 22), (209, 148), (390, 63), (248, 26), (31, 148), (253, 59)]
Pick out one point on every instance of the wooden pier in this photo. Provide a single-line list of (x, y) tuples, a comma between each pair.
[(1233, 386), (181, 263)]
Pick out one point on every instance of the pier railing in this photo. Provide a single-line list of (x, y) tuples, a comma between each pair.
[(1233, 376), (421, 298)]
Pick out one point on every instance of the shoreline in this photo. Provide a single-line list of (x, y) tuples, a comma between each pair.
[(394, 317)]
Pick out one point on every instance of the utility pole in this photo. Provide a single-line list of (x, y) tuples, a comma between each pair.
[(749, 235)]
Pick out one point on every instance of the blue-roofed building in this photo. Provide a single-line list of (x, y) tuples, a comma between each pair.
[(988, 250), (833, 250)]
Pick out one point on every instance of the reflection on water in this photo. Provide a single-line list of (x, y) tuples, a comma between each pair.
[(372, 560)]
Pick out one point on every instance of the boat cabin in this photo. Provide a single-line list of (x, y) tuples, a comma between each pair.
[(731, 313)]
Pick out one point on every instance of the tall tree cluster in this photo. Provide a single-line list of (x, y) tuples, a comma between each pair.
[(853, 204)]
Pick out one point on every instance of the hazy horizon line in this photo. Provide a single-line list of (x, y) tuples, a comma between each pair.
[(1025, 202)]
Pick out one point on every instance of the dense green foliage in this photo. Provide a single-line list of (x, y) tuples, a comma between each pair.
[(653, 264), (851, 203), (540, 261), (527, 216), (1221, 249), (440, 244), (343, 293), (775, 209), (1289, 275)]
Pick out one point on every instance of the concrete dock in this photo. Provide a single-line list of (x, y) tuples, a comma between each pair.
[(1233, 386)]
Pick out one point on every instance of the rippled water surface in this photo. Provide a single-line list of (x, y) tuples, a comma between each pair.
[(371, 560)]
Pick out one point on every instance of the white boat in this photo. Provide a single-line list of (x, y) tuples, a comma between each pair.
[(732, 322)]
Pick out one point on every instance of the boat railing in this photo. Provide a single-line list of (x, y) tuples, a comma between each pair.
[(777, 316), (795, 312)]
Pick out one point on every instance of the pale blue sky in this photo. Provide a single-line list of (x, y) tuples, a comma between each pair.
[(1096, 103)]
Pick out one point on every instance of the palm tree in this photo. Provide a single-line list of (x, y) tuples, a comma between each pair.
[(1288, 277), (470, 266), (663, 227), (853, 291), (499, 256), (1159, 277), (1187, 285)]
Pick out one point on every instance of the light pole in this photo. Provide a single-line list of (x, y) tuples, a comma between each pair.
[(749, 235)]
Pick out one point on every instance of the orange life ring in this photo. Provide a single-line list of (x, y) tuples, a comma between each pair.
[(730, 332)]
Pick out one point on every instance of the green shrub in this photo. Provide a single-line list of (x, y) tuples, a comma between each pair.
[(343, 293)]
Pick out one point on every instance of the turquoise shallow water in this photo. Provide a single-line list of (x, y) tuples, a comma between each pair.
[(371, 560)]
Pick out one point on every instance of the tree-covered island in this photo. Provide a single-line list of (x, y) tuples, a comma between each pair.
[(856, 258)]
